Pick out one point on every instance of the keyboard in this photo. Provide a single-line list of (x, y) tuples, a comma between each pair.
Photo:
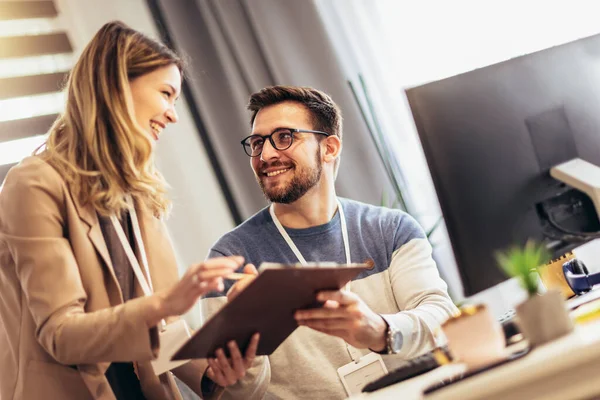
[(427, 362), (509, 315), (458, 378), (414, 367)]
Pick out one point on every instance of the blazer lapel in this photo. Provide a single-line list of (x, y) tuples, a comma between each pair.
[(141, 215), (88, 215), (162, 262)]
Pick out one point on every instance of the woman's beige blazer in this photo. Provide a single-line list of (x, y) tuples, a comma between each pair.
[(62, 317)]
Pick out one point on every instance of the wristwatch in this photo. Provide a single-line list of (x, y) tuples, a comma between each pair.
[(393, 339)]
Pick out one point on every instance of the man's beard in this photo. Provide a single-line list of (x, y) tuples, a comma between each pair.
[(302, 182)]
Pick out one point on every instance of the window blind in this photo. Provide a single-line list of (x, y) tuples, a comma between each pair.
[(35, 57)]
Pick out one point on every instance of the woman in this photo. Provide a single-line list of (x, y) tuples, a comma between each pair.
[(78, 218)]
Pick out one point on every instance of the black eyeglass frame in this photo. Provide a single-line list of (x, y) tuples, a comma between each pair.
[(270, 137)]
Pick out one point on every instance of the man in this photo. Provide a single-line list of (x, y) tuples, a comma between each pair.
[(294, 151)]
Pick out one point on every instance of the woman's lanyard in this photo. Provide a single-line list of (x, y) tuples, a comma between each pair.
[(146, 284), (292, 245)]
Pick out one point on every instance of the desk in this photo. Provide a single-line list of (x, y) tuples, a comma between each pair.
[(566, 368)]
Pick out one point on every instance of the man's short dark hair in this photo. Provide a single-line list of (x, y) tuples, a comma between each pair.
[(326, 115)]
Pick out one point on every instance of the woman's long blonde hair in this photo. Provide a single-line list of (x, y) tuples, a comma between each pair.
[(96, 144)]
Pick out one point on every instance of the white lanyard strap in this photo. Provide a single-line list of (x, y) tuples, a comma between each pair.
[(146, 284), (353, 352), (344, 232), (295, 249), (286, 237)]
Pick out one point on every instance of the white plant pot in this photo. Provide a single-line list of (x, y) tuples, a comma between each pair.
[(544, 317)]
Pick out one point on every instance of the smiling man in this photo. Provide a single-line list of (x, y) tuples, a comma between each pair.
[(392, 309)]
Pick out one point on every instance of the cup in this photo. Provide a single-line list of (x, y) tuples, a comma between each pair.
[(475, 337)]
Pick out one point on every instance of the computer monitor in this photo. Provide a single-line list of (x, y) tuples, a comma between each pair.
[(490, 137)]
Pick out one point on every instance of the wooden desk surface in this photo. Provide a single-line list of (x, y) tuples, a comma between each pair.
[(564, 369)]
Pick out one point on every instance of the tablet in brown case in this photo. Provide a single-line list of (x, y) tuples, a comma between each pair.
[(266, 306)]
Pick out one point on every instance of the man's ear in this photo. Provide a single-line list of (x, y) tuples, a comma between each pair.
[(333, 148)]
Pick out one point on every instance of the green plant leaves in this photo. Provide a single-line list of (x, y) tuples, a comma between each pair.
[(522, 263)]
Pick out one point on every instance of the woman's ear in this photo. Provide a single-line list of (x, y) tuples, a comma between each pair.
[(333, 148)]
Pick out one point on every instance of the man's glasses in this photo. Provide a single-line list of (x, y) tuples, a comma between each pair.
[(281, 139)]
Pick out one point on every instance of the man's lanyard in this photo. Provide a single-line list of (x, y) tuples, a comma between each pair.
[(146, 284), (354, 353), (292, 245)]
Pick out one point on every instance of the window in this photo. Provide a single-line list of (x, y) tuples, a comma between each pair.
[(35, 56), (396, 44)]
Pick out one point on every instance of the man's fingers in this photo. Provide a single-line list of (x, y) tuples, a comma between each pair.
[(341, 296), (222, 360), (236, 359), (250, 269), (244, 282), (331, 304), (251, 350), (329, 324), (253, 346), (214, 373), (251, 272), (326, 313), (232, 292), (226, 369), (239, 286), (341, 333)]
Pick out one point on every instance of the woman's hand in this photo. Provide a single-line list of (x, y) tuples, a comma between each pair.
[(197, 281), (251, 272), (227, 371)]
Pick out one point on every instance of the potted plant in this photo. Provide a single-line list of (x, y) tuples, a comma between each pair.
[(542, 317)]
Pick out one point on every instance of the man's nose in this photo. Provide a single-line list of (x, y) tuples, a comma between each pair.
[(268, 151)]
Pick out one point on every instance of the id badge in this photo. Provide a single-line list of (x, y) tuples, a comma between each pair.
[(356, 374), (172, 337)]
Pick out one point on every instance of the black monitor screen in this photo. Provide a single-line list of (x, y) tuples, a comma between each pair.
[(490, 137)]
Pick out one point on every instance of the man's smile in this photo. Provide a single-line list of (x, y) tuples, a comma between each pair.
[(276, 172)]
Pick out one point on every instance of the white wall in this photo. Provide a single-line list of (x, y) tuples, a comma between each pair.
[(200, 214)]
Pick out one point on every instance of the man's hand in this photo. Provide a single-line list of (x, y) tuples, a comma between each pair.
[(346, 316), (251, 272), (225, 372)]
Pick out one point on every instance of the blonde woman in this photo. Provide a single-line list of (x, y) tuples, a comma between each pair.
[(77, 319)]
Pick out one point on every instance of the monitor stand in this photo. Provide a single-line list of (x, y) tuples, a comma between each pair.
[(581, 175)]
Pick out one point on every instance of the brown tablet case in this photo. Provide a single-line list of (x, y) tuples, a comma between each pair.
[(266, 306)]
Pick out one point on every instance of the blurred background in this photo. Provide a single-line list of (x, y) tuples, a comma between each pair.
[(364, 53)]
